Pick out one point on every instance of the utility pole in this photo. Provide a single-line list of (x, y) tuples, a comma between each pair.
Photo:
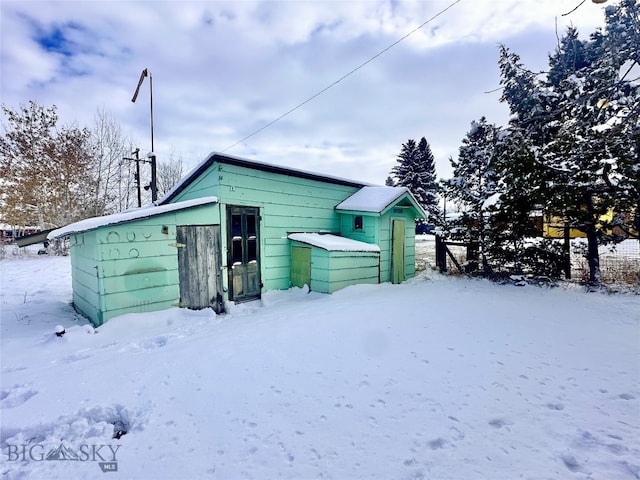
[(154, 184), (137, 159)]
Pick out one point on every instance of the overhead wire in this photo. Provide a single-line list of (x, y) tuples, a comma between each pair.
[(363, 64)]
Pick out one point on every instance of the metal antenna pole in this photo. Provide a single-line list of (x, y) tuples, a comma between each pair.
[(152, 154), (154, 182), (138, 177), (151, 105)]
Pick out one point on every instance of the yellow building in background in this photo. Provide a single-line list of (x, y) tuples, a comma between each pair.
[(553, 226)]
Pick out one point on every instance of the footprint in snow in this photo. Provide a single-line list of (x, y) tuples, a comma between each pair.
[(76, 357), (437, 444), (499, 423), (15, 396), (157, 342), (13, 369), (571, 463)]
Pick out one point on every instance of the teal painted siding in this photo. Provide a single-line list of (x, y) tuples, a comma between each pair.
[(204, 186), (410, 249), (287, 204), (369, 232), (334, 270), (84, 275), (132, 266), (377, 230)]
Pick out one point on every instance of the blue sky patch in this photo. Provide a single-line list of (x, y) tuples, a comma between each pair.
[(59, 38)]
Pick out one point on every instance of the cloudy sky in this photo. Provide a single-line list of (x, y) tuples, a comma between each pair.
[(223, 70)]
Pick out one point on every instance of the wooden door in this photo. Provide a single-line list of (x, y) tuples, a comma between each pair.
[(243, 253), (199, 265), (301, 267), (397, 251)]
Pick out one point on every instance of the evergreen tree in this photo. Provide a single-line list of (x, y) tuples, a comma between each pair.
[(427, 192), (517, 228), (475, 185), (416, 171), (570, 56), (580, 124), (621, 41)]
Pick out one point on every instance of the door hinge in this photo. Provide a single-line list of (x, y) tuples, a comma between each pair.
[(177, 245)]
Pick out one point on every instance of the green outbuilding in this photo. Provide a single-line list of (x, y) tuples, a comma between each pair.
[(234, 228)]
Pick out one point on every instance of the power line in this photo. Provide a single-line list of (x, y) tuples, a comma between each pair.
[(441, 12)]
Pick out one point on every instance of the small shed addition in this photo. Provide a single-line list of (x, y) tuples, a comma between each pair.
[(384, 216), (146, 259), (326, 263)]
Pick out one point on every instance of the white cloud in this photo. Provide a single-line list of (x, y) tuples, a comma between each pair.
[(222, 70)]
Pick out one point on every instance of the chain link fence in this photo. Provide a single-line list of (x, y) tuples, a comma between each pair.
[(619, 263)]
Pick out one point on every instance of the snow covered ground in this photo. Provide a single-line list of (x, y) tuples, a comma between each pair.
[(438, 378)]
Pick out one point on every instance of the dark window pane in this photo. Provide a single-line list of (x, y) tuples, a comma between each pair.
[(236, 250), (251, 226), (236, 225), (357, 222), (252, 250)]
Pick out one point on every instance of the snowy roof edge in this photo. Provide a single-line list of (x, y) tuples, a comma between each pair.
[(127, 216), (333, 243), (380, 208)]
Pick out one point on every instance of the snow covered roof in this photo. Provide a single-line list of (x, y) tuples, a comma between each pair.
[(256, 165), (333, 243), (128, 216), (378, 200)]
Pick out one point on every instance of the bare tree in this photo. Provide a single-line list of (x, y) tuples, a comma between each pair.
[(113, 173), (73, 188), (168, 174)]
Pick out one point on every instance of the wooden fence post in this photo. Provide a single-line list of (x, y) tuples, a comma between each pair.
[(441, 254), (567, 251)]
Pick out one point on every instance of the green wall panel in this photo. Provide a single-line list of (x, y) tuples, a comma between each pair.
[(116, 267), (333, 270), (141, 300), (87, 308), (204, 186), (137, 281), (147, 307)]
